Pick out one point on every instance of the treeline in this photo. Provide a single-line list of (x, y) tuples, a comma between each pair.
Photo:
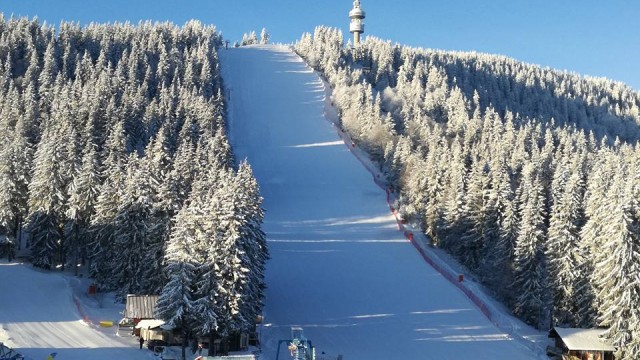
[(113, 151), (530, 177)]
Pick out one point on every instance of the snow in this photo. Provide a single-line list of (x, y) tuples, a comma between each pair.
[(46, 312), (339, 267), (583, 339), (149, 324)]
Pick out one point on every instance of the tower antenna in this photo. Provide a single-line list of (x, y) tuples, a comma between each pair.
[(357, 16)]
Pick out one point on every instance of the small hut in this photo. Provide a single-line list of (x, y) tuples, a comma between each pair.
[(137, 308), (580, 344), (139, 320), (151, 329)]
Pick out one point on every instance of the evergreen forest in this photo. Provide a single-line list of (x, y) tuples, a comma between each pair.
[(528, 176), (114, 154)]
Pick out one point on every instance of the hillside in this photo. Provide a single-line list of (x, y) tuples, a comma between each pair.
[(528, 176)]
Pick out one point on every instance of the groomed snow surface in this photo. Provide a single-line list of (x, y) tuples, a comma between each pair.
[(45, 312), (339, 266)]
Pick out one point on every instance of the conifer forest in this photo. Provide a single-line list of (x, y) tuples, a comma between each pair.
[(529, 177), (114, 154)]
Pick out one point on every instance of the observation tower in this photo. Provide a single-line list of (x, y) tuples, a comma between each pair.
[(357, 16)]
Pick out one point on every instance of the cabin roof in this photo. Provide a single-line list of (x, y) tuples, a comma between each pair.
[(149, 324), (582, 339), (140, 306)]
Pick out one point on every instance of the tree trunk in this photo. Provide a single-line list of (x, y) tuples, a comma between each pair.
[(18, 231), (61, 252), (185, 342), (212, 341), (75, 248)]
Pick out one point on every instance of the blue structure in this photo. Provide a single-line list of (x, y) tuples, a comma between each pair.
[(9, 354), (299, 347)]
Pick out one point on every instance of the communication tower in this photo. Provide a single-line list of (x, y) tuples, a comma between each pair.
[(357, 16)]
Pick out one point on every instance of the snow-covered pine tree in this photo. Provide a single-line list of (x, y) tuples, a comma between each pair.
[(530, 283), (254, 243), (482, 228), (616, 275), (230, 252), (15, 175), (249, 39), (433, 208), (497, 264), (142, 222), (229, 257), (47, 200), (107, 206), (175, 303), (83, 195), (453, 220), (132, 229), (47, 76), (593, 236), (457, 109), (210, 262), (208, 292), (563, 257), (152, 177), (412, 184), (176, 187), (264, 36)]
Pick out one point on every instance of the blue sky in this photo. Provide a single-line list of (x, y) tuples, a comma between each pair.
[(594, 37)]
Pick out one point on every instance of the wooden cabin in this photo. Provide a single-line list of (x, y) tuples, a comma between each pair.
[(580, 344), (151, 329), (140, 307), (139, 320), (137, 308)]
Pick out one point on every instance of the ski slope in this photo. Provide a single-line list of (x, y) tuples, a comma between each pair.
[(339, 266), (44, 312)]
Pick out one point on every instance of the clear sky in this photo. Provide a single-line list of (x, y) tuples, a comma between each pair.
[(593, 37)]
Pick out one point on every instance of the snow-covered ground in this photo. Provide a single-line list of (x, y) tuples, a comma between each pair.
[(339, 267), (46, 312)]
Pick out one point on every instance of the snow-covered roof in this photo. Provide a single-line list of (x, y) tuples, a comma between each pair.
[(583, 339), (149, 324), (140, 306)]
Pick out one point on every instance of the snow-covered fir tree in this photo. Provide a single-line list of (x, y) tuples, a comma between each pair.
[(530, 274), (616, 275), (83, 195), (264, 36), (15, 174)]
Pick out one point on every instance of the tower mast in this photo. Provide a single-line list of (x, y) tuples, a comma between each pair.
[(357, 16)]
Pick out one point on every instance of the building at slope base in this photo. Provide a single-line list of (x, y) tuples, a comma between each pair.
[(577, 343)]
